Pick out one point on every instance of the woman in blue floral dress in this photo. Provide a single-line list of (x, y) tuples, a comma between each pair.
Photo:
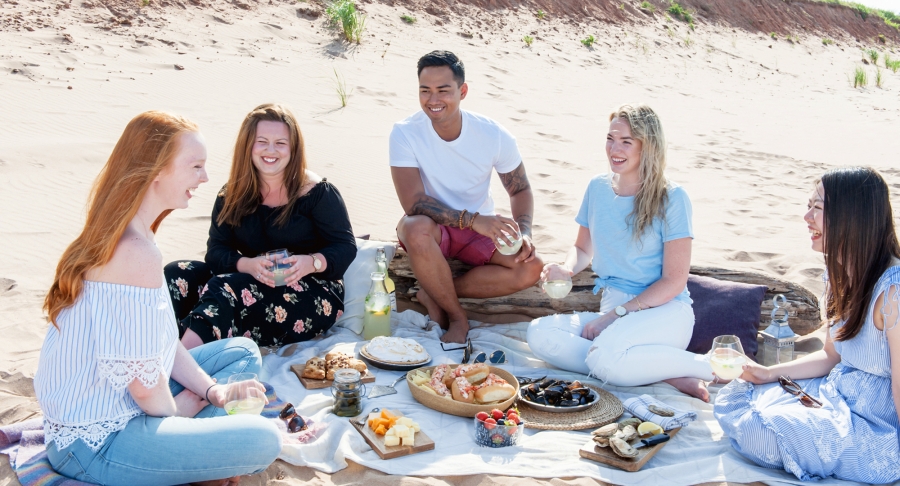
[(849, 429), (271, 201)]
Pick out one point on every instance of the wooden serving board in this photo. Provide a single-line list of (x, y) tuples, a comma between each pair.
[(423, 442), (312, 384), (606, 456)]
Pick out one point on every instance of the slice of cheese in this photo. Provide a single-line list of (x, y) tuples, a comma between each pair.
[(408, 441), (391, 440)]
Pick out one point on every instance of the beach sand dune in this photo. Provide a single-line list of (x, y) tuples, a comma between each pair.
[(751, 120)]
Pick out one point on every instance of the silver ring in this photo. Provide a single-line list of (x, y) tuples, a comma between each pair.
[(258, 276)]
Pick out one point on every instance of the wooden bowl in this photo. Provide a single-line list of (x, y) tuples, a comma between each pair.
[(452, 407)]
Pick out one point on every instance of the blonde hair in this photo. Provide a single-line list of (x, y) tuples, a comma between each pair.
[(650, 200), (147, 146), (242, 191)]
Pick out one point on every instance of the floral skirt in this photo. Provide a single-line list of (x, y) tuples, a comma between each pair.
[(236, 304)]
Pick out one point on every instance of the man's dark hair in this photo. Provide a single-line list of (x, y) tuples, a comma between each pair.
[(444, 58)]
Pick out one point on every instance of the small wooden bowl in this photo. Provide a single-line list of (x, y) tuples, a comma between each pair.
[(452, 407)]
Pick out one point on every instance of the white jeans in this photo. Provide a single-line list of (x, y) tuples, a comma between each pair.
[(638, 349)]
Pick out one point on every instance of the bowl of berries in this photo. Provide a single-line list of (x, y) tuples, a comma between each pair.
[(498, 429)]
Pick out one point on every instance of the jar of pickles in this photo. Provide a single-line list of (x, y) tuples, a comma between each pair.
[(348, 392)]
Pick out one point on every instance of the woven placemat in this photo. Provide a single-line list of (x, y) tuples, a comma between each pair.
[(607, 409)]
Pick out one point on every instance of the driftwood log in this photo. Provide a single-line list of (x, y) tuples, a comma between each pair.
[(803, 313)]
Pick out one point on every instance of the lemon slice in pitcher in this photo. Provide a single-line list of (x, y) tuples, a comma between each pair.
[(648, 429)]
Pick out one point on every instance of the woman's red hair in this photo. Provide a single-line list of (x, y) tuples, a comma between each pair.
[(146, 147)]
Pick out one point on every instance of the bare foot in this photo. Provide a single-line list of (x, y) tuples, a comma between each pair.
[(219, 482), (694, 387), (435, 313), (457, 332)]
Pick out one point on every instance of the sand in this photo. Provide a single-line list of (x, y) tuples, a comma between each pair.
[(751, 122)]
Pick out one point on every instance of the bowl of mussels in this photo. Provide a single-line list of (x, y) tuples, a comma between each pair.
[(557, 396)]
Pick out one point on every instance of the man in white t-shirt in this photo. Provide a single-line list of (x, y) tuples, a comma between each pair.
[(442, 159)]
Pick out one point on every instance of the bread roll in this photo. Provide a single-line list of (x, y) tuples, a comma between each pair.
[(474, 373), (494, 389), (462, 390), (438, 389)]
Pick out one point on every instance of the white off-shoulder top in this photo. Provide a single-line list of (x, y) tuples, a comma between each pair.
[(112, 335)]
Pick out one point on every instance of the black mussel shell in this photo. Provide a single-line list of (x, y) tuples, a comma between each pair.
[(553, 396), (576, 384), (541, 399), (584, 399), (568, 403), (555, 389), (567, 395), (533, 388), (580, 391), (546, 383)]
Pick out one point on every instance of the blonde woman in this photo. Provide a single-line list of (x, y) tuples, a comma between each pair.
[(635, 230), (271, 201), (123, 401)]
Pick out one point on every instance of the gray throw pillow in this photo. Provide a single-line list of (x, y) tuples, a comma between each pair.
[(723, 307)]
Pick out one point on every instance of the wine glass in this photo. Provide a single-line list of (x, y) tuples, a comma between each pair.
[(558, 282), (279, 265), (244, 395), (727, 357)]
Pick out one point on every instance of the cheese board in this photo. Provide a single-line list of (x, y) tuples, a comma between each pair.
[(313, 384), (376, 442), (605, 455)]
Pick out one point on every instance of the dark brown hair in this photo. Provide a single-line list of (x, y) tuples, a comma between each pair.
[(860, 242), (242, 191)]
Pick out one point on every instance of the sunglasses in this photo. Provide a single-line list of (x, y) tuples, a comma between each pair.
[(497, 357), (294, 421), (793, 388)]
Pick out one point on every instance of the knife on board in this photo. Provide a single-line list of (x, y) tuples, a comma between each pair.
[(652, 441)]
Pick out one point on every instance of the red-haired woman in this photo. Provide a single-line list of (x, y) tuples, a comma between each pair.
[(271, 201), (840, 417), (121, 396)]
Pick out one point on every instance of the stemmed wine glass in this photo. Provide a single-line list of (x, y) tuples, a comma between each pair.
[(245, 395), (727, 357)]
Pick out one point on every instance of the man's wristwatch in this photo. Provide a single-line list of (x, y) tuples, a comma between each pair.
[(317, 264), (621, 311)]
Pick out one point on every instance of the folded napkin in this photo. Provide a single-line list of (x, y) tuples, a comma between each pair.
[(638, 406)]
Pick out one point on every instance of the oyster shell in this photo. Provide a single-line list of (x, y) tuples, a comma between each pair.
[(633, 421), (622, 448), (662, 412), (628, 433), (607, 431), (601, 441)]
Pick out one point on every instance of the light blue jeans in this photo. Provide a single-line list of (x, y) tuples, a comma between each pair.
[(176, 450)]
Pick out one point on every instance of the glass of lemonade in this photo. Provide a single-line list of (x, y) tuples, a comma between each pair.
[(244, 395), (727, 357), (280, 266), (558, 282), (505, 249)]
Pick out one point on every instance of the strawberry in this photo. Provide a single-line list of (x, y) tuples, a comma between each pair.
[(513, 417), (490, 423), (482, 416), (512, 411), (497, 439), (497, 414)]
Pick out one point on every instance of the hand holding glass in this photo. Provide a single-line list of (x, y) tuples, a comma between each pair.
[(279, 266), (727, 357), (557, 282), (245, 395)]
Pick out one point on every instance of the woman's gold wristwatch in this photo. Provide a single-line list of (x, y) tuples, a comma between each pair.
[(317, 264)]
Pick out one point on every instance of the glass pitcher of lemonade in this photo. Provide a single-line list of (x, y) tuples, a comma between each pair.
[(377, 318)]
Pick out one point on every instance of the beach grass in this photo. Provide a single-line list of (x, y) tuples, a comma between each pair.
[(343, 15), (648, 6), (528, 40), (588, 41), (773, 35), (879, 79), (340, 86), (826, 41), (892, 64), (860, 78), (409, 19), (540, 14), (688, 42), (873, 55), (890, 18), (679, 12)]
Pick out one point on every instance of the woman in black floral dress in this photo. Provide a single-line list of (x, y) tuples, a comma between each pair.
[(270, 202)]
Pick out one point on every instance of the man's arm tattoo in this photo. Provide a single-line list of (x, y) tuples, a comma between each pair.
[(515, 181), (436, 210), (524, 221)]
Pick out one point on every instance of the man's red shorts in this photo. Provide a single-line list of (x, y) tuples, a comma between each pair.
[(465, 245)]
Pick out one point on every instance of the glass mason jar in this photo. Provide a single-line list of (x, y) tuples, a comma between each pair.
[(348, 392)]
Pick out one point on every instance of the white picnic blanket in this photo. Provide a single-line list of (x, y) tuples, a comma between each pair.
[(698, 454)]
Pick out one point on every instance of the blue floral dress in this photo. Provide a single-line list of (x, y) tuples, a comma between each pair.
[(854, 436)]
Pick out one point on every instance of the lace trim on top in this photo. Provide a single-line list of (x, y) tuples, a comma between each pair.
[(122, 371), (93, 435)]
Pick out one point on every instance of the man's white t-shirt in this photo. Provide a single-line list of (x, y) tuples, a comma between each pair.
[(457, 173)]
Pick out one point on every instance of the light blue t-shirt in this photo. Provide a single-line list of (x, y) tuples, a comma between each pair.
[(620, 261)]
